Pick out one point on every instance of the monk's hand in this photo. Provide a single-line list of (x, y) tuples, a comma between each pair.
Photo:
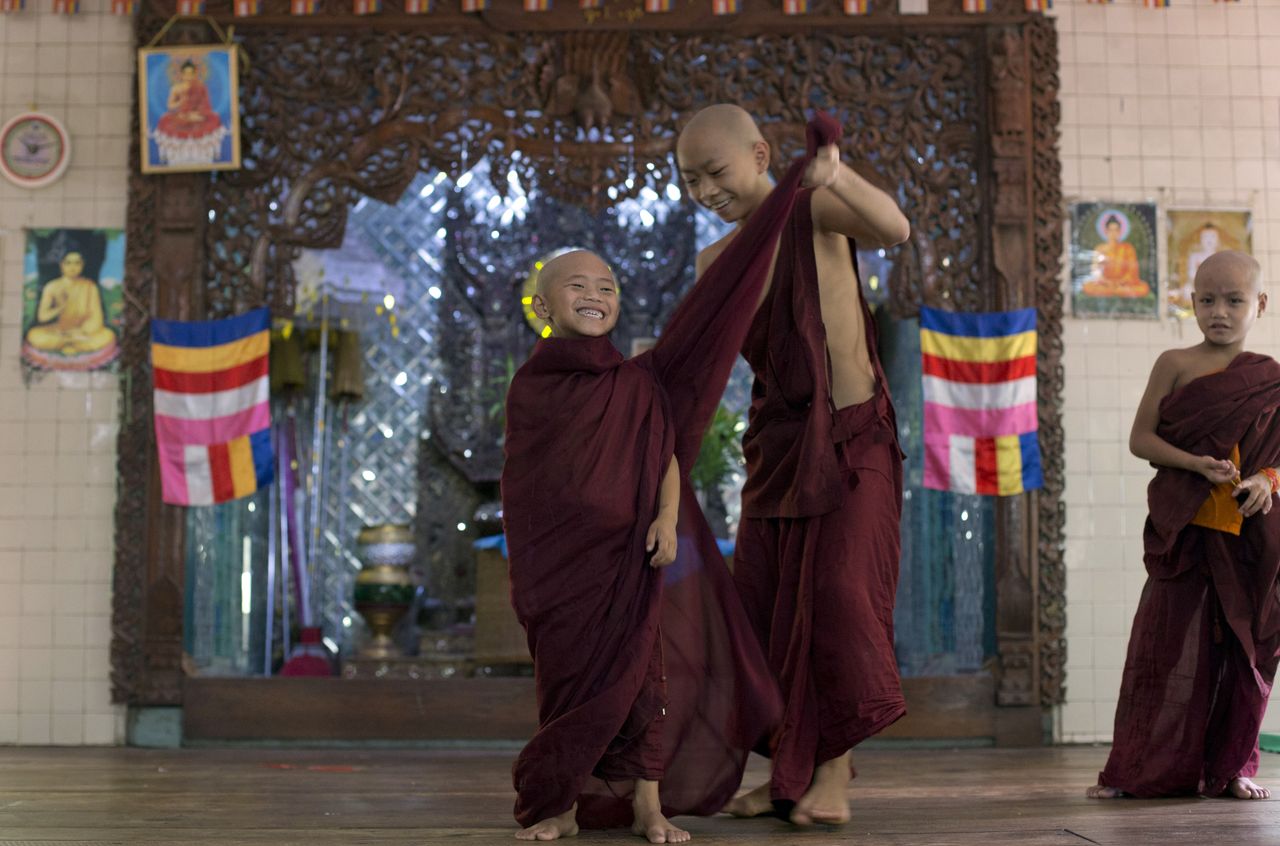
[(1254, 494), (1216, 470), (661, 542), (822, 171)]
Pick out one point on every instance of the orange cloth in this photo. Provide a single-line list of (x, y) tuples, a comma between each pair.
[(1221, 510)]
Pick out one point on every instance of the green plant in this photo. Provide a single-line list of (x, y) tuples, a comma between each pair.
[(499, 385), (720, 453)]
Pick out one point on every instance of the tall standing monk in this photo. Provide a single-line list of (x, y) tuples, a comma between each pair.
[(816, 562), (651, 688), (1206, 637)]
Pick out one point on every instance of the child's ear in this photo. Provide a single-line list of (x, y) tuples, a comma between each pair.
[(540, 307), (762, 155), (1262, 303)]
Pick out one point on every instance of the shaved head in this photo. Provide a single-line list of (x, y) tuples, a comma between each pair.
[(568, 263), (723, 122), (1238, 270)]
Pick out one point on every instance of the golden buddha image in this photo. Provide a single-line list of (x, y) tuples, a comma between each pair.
[(1115, 271), (70, 330)]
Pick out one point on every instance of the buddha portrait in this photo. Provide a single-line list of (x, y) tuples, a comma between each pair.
[(69, 320), (1114, 270)]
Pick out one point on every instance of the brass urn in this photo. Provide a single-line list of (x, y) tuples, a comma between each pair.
[(384, 589)]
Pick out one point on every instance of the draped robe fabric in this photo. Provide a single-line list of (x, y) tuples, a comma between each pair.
[(816, 563), (1206, 636), (620, 647)]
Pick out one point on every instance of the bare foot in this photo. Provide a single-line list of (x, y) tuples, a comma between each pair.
[(754, 804), (826, 801), (1100, 792), (1247, 788), (650, 823), (565, 825)]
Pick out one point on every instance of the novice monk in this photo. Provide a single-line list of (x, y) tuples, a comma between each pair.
[(644, 675), (816, 561), (1206, 637)]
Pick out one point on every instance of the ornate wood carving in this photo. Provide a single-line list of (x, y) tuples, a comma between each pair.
[(589, 113)]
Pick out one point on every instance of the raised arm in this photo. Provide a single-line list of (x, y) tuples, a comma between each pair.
[(1145, 443), (847, 204)]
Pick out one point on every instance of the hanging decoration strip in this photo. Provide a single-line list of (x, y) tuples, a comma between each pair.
[(66, 7)]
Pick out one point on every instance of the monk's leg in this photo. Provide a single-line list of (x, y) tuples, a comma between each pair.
[(565, 825), (1158, 747), (650, 822), (1232, 754)]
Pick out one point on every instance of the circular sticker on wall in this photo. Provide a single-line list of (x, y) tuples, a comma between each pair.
[(34, 150)]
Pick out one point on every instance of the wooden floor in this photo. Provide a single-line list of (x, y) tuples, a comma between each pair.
[(370, 796)]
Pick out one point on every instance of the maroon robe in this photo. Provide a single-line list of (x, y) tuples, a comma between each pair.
[(1206, 636), (641, 672), (816, 562)]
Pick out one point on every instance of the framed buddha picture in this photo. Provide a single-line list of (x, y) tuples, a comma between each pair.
[(1194, 235), (72, 299), (189, 108), (1114, 260)]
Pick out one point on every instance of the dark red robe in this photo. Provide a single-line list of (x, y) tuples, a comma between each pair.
[(641, 672), (816, 562), (1206, 636)]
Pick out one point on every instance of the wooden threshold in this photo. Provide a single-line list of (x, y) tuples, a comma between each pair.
[(309, 709)]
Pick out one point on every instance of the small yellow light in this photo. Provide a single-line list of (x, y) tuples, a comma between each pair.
[(389, 301), (526, 300), (546, 331), (537, 265), (379, 311)]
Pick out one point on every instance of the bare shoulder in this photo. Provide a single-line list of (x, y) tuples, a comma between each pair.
[(709, 254)]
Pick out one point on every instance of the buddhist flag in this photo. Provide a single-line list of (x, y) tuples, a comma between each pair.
[(303, 7), (419, 7), (191, 8), (66, 7), (475, 5), (1156, 4), (212, 407), (980, 421), (726, 7), (655, 7), (366, 7), (855, 7), (246, 8), (976, 7), (1039, 5), (123, 7), (12, 5), (795, 7), (537, 5)]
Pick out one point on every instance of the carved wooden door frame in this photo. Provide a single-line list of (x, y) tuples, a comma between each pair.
[(385, 95)]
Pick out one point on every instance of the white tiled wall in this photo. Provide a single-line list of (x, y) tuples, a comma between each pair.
[(1181, 106), (58, 435)]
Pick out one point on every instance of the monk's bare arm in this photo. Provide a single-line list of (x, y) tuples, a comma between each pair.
[(661, 540), (851, 206), (1146, 444), (51, 303)]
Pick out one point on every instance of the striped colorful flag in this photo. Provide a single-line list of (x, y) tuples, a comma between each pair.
[(856, 7), (1100, 2), (976, 7), (1156, 4), (537, 5), (66, 7), (12, 5), (303, 7), (246, 8), (726, 7), (191, 8), (419, 7), (123, 7), (980, 421), (366, 7), (590, 4), (1039, 5), (795, 7), (212, 407), (475, 5), (656, 7)]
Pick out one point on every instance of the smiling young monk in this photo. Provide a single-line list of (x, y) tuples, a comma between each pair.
[(1206, 636), (651, 687), (817, 552)]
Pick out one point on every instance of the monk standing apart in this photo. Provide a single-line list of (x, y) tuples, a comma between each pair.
[(1206, 636), (817, 553)]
